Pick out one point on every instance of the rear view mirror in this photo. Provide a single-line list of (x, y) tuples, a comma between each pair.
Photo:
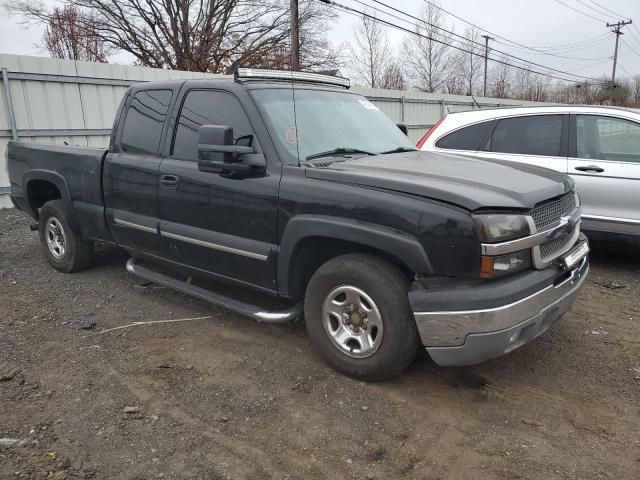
[(215, 135), (217, 152), (403, 128)]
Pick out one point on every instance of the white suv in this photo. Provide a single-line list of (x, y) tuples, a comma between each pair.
[(599, 147)]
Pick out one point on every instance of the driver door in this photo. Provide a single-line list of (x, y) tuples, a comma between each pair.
[(220, 225)]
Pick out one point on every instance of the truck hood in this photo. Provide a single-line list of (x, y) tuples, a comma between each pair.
[(471, 183)]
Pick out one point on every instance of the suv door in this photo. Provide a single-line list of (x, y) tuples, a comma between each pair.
[(540, 140), (217, 224), (131, 172), (605, 164)]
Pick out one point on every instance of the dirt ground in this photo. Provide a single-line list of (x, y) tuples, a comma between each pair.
[(226, 397)]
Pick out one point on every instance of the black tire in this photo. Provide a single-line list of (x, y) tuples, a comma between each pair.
[(387, 287), (76, 253)]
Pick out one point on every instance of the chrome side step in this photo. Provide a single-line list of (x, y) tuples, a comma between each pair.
[(136, 267)]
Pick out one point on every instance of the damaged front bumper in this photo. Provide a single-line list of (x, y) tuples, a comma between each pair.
[(470, 324)]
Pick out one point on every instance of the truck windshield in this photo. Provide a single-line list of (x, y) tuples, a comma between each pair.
[(328, 121)]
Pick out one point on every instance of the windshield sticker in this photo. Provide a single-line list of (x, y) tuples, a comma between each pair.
[(367, 104), (291, 136)]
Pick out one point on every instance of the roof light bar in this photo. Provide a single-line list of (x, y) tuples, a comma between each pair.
[(257, 73)]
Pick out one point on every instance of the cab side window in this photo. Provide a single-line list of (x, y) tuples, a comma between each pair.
[(532, 135), (208, 107), (467, 138), (607, 138), (145, 118)]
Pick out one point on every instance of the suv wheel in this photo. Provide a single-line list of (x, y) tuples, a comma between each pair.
[(65, 250), (358, 316)]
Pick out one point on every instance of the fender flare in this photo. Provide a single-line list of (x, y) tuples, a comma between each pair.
[(56, 179), (401, 245)]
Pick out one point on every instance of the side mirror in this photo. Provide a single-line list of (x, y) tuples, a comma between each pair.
[(217, 152), (403, 128)]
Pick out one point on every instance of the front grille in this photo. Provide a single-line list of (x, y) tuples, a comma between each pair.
[(553, 246), (547, 214)]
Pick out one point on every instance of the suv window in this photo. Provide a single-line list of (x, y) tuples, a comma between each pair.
[(467, 138), (144, 121), (207, 107), (533, 135), (607, 138)]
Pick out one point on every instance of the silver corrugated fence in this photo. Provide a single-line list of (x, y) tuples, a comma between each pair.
[(54, 101)]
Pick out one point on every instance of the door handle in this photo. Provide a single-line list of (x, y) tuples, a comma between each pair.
[(170, 182), (590, 168)]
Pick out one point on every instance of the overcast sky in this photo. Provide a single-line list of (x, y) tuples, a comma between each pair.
[(536, 23)]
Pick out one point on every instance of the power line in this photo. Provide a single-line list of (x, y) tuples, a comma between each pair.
[(617, 15), (551, 54), (581, 12), (553, 47), (633, 35), (358, 13), (538, 50), (525, 61), (630, 47), (578, 45), (591, 65), (624, 69), (565, 46), (599, 12)]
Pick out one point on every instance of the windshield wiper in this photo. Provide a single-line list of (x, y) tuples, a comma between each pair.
[(337, 151), (399, 150)]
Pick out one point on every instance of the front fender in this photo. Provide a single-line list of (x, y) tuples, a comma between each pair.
[(400, 245)]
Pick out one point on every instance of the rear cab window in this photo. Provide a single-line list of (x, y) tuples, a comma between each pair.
[(146, 114)]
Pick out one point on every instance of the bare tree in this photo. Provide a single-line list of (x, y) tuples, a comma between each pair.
[(427, 54), (500, 79), (635, 91), (471, 60), (454, 82), (69, 35), (197, 35), (370, 53), (532, 86), (393, 77)]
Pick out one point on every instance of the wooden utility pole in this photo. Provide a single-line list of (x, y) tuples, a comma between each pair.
[(616, 29), (295, 36), (486, 56)]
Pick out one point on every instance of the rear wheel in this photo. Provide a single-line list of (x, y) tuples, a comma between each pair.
[(65, 250), (358, 316)]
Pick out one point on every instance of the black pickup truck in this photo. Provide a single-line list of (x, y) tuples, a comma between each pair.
[(289, 184)]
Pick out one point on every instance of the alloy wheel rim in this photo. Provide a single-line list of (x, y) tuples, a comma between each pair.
[(56, 239), (352, 321)]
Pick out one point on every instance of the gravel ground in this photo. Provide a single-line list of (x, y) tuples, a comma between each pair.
[(226, 397)]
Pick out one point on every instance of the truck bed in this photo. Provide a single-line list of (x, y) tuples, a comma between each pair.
[(76, 173)]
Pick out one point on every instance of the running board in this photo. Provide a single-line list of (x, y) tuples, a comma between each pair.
[(136, 268)]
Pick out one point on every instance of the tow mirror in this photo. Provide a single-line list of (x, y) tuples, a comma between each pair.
[(217, 152)]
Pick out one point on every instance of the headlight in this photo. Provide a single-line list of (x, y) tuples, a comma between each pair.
[(499, 227), (501, 265)]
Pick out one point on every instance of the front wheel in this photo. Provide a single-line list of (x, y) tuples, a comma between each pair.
[(65, 250), (358, 316)]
